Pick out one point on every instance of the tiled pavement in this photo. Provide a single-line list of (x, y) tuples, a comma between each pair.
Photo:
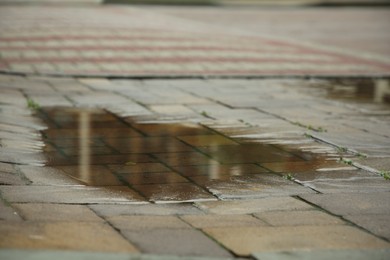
[(142, 42), (175, 182), (185, 168)]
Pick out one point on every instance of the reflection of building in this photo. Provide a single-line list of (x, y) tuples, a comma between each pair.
[(382, 91)]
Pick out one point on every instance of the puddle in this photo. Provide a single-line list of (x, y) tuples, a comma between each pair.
[(162, 162), (358, 90)]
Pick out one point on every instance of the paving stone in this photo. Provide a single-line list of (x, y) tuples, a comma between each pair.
[(39, 175), (12, 254), (56, 212), (244, 241), (146, 209), (172, 110), (82, 236), (365, 185), (362, 254), (175, 192), (381, 164), (207, 140), (254, 186), (8, 213), (146, 223), (253, 206), (209, 221), (7, 178), (179, 242), (378, 224), (70, 194), (352, 203), (299, 218)]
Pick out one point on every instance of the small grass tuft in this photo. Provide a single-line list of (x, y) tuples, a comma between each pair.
[(32, 104), (288, 176), (385, 174), (204, 113)]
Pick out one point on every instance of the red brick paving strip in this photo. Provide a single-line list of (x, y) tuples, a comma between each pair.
[(131, 42)]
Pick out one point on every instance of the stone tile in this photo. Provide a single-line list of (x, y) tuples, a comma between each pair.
[(96, 175), (248, 153), (176, 192), (356, 254), (244, 241), (254, 186), (209, 221), (39, 175), (7, 178), (172, 129), (179, 242), (381, 164), (207, 140), (8, 213), (184, 158), (138, 168), (298, 218), (352, 203), (70, 194), (7, 168), (216, 170), (146, 223), (146, 209), (364, 185), (152, 178), (378, 224), (13, 254), (253, 206), (83, 236), (172, 109), (302, 167), (56, 212)]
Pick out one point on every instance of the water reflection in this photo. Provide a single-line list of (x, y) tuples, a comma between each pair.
[(100, 149), (360, 90)]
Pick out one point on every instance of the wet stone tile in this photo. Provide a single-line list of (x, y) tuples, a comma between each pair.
[(147, 223), (244, 241), (216, 170), (70, 195), (254, 186), (137, 168), (152, 178), (184, 158), (12, 179), (90, 236), (146, 209), (166, 242), (253, 206), (378, 224), (207, 140), (249, 153), (56, 212), (172, 129), (298, 218), (178, 192), (208, 221), (8, 213)]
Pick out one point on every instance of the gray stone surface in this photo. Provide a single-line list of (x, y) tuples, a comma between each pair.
[(181, 242), (352, 203), (376, 223), (253, 206), (12, 254), (363, 254), (70, 194), (146, 209)]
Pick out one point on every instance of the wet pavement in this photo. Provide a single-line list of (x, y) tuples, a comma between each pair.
[(194, 167), (190, 168)]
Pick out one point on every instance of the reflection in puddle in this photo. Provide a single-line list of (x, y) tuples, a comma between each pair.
[(163, 162), (360, 90)]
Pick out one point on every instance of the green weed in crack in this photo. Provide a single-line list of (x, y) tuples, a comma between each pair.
[(32, 104)]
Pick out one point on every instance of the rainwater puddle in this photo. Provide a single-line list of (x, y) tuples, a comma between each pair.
[(358, 90), (167, 162)]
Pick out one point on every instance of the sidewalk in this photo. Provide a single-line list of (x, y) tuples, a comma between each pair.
[(135, 166)]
